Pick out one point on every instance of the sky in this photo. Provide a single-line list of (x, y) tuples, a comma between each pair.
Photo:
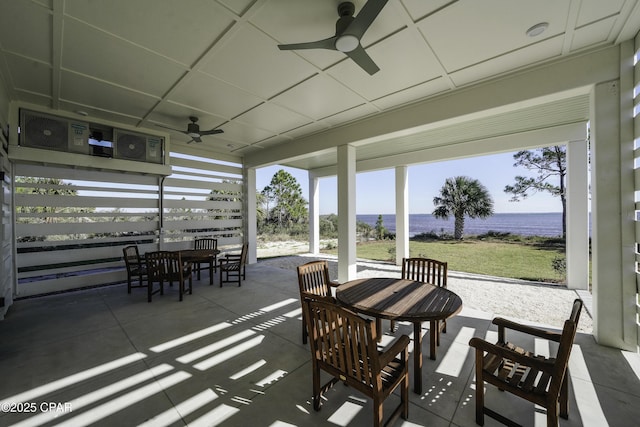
[(375, 191)]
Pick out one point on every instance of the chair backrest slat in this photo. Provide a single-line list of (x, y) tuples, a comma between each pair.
[(205, 243), (156, 265), (313, 278), (343, 342), (425, 270), (131, 255)]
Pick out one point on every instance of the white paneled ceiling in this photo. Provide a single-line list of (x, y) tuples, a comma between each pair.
[(151, 63)]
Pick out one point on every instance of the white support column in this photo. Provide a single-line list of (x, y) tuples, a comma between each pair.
[(347, 269), (577, 238), (250, 214), (402, 214), (613, 272), (314, 214)]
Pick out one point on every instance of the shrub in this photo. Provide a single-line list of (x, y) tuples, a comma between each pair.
[(559, 264)]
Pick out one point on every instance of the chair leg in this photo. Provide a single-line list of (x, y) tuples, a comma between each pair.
[(404, 395), (564, 397), (552, 414), (479, 389), (377, 411), (317, 393), (304, 334)]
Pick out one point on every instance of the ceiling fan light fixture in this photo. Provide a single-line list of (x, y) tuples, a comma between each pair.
[(347, 43), (537, 29), (194, 135)]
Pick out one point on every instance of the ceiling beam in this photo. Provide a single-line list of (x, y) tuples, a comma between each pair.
[(537, 86), (557, 135)]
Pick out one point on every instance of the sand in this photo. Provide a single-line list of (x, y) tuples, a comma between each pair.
[(535, 302)]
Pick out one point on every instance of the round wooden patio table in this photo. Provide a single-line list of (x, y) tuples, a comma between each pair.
[(400, 299), (201, 255)]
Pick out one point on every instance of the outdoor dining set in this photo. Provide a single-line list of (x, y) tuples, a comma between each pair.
[(342, 323), (179, 266)]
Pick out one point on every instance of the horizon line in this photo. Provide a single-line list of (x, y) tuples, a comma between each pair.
[(413, 213)]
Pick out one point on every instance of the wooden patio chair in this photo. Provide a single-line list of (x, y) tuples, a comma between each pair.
[(155, 272), (431, 271), (344, 345), (166, 266), (206, 243), (314, 282), (136, 268), (537, 379), (233, 266)]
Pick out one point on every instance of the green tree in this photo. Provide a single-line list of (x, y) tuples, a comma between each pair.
[(381, 230), (284, 195), (548, 163), (364, 230), (462, 196), (46, 186), (329, 226), (220, 195)]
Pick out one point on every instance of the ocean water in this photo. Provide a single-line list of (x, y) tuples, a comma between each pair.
[(526, 224)]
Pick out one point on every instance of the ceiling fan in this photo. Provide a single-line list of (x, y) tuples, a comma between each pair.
[(193, 130), (349, 31)]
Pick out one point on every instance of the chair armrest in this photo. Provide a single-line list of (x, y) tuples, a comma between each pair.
[(544, 365), (334, 283), (530, 330), (187, 268), (398, 346)]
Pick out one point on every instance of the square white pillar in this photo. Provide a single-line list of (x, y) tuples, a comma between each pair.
[(250, 214), (314, 214), (402, 214), (347, 269), (577, 239), (613, 269)]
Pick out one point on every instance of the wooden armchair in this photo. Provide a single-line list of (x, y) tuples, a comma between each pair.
[(136, 268), (344, 345), (314, 282), (165, 266), (431, 271), (206, 243), (232, 266), (537, 379), (155, 272)]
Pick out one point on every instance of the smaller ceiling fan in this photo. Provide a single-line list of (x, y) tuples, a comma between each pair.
[(349, 31), (193, 130)]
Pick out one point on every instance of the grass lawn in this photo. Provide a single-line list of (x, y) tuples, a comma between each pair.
[(518, 260)]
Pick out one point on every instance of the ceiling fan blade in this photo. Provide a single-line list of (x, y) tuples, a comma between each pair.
[(365, 18), (329, 43), (196, 139), (211, 132), (360, 57)]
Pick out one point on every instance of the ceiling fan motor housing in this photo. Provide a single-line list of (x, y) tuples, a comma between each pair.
[(193, 129)]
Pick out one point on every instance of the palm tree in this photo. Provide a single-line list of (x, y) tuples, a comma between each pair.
[(462, 196)]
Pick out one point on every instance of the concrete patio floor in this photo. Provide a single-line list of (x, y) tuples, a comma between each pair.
[(233, 356)]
